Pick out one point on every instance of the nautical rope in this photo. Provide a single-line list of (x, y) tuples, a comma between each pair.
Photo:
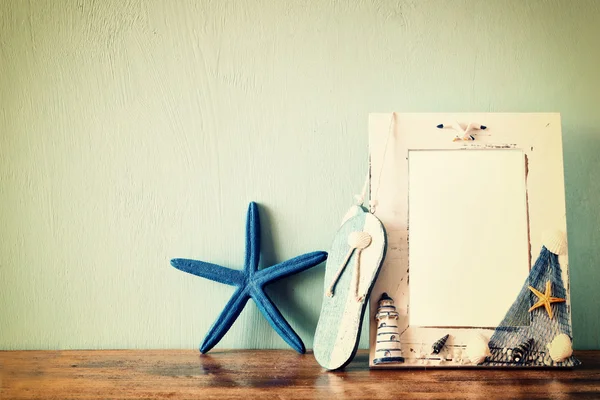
[(357, 241), (360, 198)]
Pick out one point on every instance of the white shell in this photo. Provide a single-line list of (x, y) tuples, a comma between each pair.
[(477, 349), (359, 240), (560, 348), (555, 241)]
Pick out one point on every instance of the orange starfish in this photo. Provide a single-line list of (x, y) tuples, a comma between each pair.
[(545, 299)]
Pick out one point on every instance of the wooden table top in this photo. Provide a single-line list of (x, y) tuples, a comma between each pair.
[(270, 374)]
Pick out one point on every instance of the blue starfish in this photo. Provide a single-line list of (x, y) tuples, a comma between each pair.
[(250, 283)]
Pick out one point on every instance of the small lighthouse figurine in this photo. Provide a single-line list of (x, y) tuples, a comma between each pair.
[(387, 348)]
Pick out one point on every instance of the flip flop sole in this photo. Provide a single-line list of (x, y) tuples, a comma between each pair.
[(340, 321)]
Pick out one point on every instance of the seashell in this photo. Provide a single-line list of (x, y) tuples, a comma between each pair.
[(555, 241), (519, 354), (438, 345), (477, 349), (560, 348), (359, 240)]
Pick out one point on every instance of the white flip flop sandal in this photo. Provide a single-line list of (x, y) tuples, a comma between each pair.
[(352, 267)]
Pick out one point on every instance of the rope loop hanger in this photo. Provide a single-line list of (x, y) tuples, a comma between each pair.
[(373, 202)]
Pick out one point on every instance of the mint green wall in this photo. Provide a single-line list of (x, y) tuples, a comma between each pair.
[(135, 131)]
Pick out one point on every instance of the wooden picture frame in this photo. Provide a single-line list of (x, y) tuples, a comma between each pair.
[(537, 141)]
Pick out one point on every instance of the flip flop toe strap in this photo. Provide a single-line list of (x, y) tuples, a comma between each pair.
[(357, 241)]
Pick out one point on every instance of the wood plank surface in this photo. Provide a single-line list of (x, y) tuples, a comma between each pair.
[(270, 374)]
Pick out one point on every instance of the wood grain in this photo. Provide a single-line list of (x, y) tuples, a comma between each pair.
[(279, 374)]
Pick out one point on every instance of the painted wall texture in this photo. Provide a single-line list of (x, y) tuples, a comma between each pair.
[(132, 132)]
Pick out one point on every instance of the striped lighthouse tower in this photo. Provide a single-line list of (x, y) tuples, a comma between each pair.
[(387, 347)]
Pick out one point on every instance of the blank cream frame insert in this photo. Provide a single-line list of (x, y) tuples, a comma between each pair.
[(476, 210)]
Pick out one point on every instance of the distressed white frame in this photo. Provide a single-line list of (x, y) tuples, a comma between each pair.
[(538, 135)]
